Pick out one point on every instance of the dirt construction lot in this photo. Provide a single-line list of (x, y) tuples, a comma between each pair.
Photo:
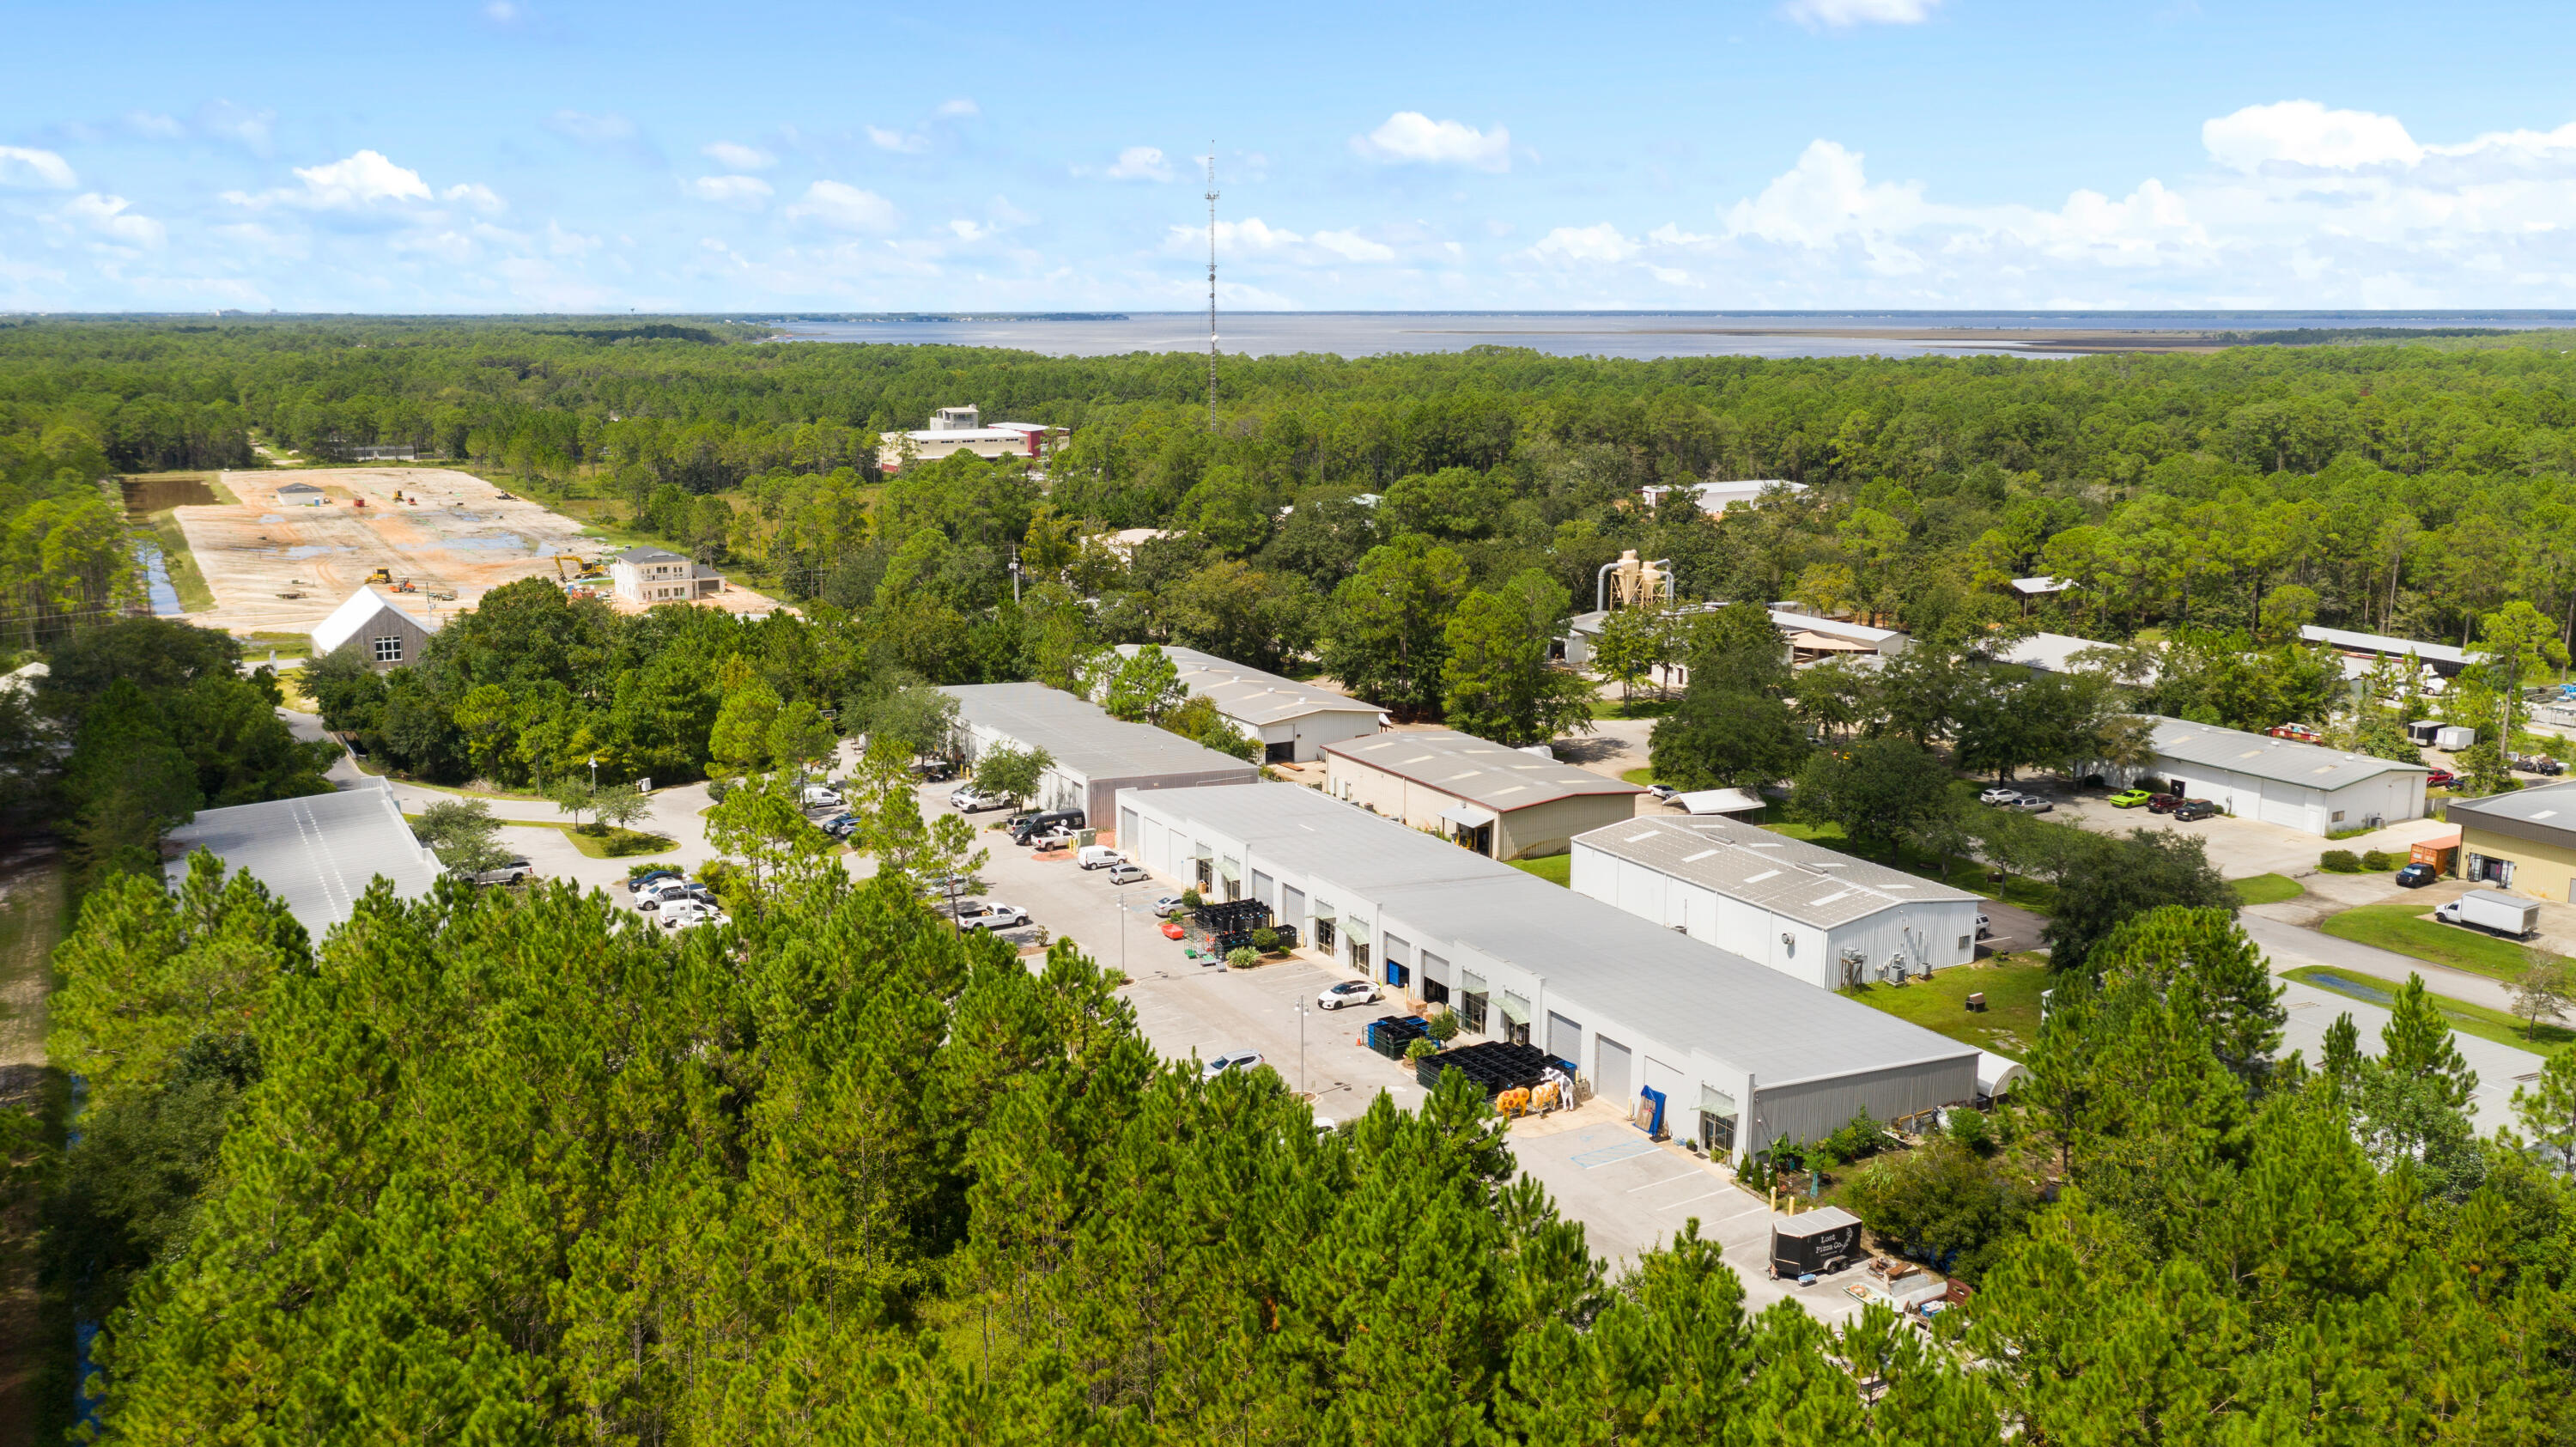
[(279, 565)]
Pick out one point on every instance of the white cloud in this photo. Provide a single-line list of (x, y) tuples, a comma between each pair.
[(738, 158), (362, 179), (108, 216), (1140, 163), (473, 195), (1411, 136), (846, 208), (907, 143), (153, 126), (1600, 242), (569, 243), (970, 231), (1839, 14), (2304, 133), (745, 191), (961, 106), (505, 12), (1353, 247), (23, 166), (253, 131)]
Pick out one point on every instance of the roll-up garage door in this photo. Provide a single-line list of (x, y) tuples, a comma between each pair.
[(1610, 1072), (1261, 886), (1292, 907), (1564, 1038), (1434, 968), (1127, 839)]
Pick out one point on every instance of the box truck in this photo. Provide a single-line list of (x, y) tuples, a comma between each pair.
[(2496, 913)]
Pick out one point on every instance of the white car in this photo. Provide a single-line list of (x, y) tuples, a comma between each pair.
[(1998, 795), (967, 801), (686, 913), (1125, 873), (1238, 1060), (1348, 992), (1167, 906), (652, 895), (991, 916)]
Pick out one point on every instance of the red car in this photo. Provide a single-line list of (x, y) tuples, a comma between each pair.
[(2440, 779), (2164, 803)]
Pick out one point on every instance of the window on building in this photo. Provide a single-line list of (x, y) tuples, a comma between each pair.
[(1324, 939), (1964, 941), (1471, 1013), (2338, 816), (389, 649)]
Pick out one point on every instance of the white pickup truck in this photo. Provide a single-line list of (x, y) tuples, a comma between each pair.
[(992, 916)]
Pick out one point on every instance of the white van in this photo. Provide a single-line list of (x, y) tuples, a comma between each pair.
[(1098, 856), (822, 796)]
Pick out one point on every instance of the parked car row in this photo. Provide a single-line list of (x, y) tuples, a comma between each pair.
[(674, 901), (2006, 798), (2538, 764)]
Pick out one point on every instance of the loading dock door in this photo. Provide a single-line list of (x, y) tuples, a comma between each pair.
[(1610, 1072), (1292, 907), (1564, 1038)]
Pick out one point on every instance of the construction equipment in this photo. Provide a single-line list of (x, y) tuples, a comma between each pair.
[(571, 565), (381, 575)]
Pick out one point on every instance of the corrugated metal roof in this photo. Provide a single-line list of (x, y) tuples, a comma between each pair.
[(2545, 815), (2262, 756), (317, 853), (1480, 770), (1250, 695), (354, 613), (1790, 877), (1687, 993), (2382, 643), (1084, 739)]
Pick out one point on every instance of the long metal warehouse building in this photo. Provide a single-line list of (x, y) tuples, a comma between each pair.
[(1095, 755), (1742, 1055), (1826, 918)]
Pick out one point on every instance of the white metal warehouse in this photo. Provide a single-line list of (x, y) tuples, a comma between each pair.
[(2283, 781), (1292, 720), (317, 853), (1810, 913), (1095, 755), (1741, 1054)]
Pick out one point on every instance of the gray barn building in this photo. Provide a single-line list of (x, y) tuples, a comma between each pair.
[(1095, 755), (317, 853), (388, 636), (1741, 1055)]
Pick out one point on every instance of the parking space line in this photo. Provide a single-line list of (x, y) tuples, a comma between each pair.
[(1668, 1205), (1610, 1155), (1684, 1176)]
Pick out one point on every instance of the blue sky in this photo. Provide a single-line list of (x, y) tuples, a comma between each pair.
[(553, 155)]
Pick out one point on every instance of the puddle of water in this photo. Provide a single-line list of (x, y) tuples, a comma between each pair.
[(498, 543), (152, 494), (156, 577), (309, 550), (2371, 994)]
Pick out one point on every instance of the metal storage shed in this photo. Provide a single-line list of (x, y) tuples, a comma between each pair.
[(1291, 720)]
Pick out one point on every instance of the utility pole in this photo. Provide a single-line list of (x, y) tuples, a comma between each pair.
[(1211, 200)]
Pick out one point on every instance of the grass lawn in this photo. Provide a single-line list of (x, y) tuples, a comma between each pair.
[(2466, 1018), (2009, 1025), (1555, 868), (614, 844), (2403, 928), (1639, 777), (2037, 896), (2266, 889), (1640, 705)]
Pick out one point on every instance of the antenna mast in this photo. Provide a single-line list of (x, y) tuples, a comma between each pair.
[(1211, 200)]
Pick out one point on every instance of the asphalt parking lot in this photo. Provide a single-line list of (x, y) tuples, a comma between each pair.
[(1188, 1006)]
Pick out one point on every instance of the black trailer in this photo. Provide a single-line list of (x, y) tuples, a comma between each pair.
[(1821, 1240)]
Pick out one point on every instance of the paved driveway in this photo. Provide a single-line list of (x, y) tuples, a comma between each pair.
[(2238, 847)]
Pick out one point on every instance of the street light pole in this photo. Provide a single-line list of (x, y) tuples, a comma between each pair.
[(1301, 1047)]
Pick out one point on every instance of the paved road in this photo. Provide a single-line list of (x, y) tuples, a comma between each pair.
[(2290, 945)]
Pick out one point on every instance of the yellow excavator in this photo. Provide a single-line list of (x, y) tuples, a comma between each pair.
[(384, 578), (569, 566), (381, 575)]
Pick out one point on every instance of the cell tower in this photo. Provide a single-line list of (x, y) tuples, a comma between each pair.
[(1211, 200)]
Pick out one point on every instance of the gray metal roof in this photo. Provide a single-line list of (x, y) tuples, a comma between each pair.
[(2262, 756), (648, 554), (1785, 619), (1250, 695), (317, 853), (1082, 737), (1603, 958), (2382, 643), (1789, 877), (2047, 652), (2545, 815), (1494, 775)]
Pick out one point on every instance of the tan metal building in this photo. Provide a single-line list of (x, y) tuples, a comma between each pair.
[(2524, 841), (1503, 802)]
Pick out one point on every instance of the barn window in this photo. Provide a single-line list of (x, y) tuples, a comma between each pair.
[(389, 649)]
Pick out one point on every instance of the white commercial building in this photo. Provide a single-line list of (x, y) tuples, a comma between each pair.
[(2282, 781), (384, 633), (1095, 755), (1806, 637), (317, 853), (1716, 497), (1502, 802), (961, 429), (1291, 720), (1810, 913), (658, 575), (1738, 1054)]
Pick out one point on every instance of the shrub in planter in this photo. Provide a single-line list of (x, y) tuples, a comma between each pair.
[(1421, 1047), (2339, 861), (1242, 958)]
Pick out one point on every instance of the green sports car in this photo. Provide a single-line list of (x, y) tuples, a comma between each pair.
[(2130, 798)]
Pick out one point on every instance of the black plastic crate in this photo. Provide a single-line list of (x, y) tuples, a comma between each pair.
[(1390, 1035)]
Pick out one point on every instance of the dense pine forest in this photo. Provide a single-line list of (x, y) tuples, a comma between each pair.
[(503, 1166)]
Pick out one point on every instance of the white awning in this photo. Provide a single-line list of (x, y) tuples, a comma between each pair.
[(1720, 801), (1468, 816)]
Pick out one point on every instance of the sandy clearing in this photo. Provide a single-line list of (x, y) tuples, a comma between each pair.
[(460, 536)]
